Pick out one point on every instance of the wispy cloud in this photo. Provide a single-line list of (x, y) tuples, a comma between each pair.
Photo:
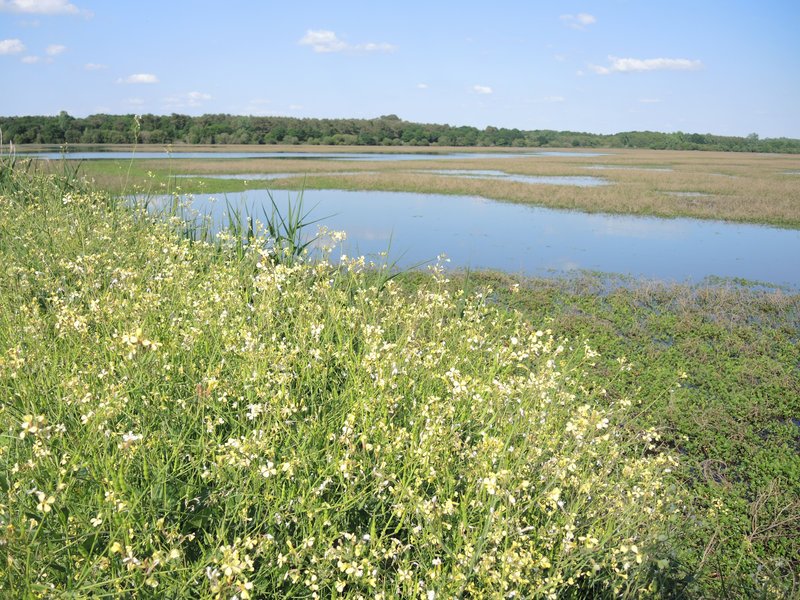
[(579, 21), (649, 100), (322, 41), (94, 66), (382, 47), (422, 86), (325, 41), (191, 99), (12, 47), (259, 107), (636, 65), (482, 89), (139, 78), (554, 99), (42, 7), (51, 51)]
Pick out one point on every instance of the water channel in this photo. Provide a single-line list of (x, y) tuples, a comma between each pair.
[(479, 233)]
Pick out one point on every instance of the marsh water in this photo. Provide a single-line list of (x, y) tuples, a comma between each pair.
[(479, 233), (576, 180)]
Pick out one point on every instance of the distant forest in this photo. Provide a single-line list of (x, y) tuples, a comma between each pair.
[(387, 130)]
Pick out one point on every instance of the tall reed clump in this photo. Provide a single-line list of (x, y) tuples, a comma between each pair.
[(184, 422)]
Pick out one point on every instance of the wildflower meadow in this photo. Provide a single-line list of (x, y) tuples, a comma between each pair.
[(194, 418)]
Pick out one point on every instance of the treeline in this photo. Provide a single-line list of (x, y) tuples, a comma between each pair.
[(387, 130)]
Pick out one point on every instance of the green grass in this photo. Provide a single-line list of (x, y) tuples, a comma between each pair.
[(189, 418), (733, 418)]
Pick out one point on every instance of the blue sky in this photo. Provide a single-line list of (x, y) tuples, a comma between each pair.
[(730, 68)]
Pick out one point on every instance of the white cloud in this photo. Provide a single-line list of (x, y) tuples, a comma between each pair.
[(31, 59), (11, 47), (650, 100), (55, 49), (636, 65), (322, 41), (482, 89), (422, 86), (136, 101), (382, 47), (578, 22), (553, 99), (139, 78), (94, 66), (41, 7), (325, 41)]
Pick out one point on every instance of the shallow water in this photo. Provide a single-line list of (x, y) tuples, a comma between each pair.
[(541, 179), (482, 233), (469, 174), (688, 194), (625, 168)]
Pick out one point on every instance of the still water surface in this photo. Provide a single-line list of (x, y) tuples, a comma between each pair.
[(482, 233), (578, 180)]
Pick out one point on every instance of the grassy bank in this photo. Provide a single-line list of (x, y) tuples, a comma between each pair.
[(752, 188), (733, 418), (182, 419)]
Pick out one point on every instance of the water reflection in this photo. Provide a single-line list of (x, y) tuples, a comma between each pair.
[(482, 233)]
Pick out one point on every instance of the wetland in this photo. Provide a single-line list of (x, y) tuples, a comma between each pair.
[(185, 343), (672, 215)]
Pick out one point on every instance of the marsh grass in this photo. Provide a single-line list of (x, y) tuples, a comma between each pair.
[(741, 187), (731, 417), (182, 419)]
